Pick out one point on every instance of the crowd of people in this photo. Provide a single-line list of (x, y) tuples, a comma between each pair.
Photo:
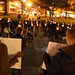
[(63, 63), (52, 29), (29, 26), (56, 29)]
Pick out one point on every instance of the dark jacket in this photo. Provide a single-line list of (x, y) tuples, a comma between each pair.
[(63, 63)]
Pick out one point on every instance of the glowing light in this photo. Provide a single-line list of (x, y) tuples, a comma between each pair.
[(48, 12), (67, 27), (16, 4), (45, 24), (50, 7), (0, 18), (1, 2), (24, 1), (25, 22), (63, 25), (29, 4), (57, 28), (37, 25)]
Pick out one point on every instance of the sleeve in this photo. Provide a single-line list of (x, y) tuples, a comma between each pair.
[(55, 67), (4, 57)]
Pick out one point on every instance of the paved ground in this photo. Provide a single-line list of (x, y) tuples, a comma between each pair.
[(33, 55)]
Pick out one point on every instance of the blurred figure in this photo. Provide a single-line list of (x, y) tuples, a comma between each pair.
[(46, 27), (68, 26), (20, 24), (72, 25), (29, 24), (30, 36), (37, 27), (0, 31), (63, 29), (2, 23), (19, 35), (25, 25), (58, 31), (32, 24)]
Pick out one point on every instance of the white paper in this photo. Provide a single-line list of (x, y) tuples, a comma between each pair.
[(52, 50), (14, 46)]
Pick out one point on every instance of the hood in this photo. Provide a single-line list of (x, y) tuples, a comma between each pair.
[(70, 51)]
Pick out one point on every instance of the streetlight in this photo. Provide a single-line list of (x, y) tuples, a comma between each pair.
[(28, 4), (16, 4)]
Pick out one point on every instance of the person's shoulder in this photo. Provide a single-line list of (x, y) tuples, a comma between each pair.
[(2, 45), (61, 55)]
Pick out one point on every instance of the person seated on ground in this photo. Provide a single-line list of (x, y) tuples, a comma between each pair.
[(63, 63), (19, 34), (30, 36), (5, 63)]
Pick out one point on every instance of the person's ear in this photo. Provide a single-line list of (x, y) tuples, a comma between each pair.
[(69, 41)]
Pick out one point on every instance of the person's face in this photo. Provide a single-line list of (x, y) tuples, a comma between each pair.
[(19, 21)]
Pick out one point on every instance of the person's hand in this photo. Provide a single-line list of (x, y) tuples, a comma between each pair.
[(20, 54), (15, 61)]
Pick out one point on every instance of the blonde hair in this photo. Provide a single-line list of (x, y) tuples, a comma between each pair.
[(71, 34)]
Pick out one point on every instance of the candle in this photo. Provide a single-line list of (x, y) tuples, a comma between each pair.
[(63, 25), (57, 28), (37, 24), (45, 24), (25, 22), (67, 27)]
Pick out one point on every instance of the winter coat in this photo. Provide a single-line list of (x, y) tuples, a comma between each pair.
[(63, 63)]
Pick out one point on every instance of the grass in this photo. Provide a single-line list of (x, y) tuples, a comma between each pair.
[(60, 20), (15, 18)]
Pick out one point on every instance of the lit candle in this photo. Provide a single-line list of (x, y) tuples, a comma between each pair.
[(67, 27), (25, 22), (32, 24), (57, 28), (0, 18), (8, 20), (55, 22), (19, 25), (63, 25), (45, 24), (37, 24)]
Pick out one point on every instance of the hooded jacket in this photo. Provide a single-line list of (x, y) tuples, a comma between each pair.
[(63, 63)]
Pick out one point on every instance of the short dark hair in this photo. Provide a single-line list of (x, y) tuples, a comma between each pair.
[(18, 30), (71, 33)]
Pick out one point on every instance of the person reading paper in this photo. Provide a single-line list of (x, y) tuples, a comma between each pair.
[(5, 63)]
